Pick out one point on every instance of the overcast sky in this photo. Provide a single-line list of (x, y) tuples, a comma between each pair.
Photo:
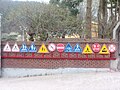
[(46, 1)]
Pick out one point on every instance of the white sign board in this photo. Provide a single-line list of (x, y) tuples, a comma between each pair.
[(15, 48), (7, 48)]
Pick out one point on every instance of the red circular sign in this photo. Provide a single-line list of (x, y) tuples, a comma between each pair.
[(96, 47), (60, 47), (112, 48), (51, 47)]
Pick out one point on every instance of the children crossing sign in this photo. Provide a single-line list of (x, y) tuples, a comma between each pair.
[(68, 48), (87, 50), (104, 50), (32, 48), (24, 48), (77, 48), (15, 48), (43, 49), (7, 48)]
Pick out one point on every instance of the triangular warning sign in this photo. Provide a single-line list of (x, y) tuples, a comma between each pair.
[(7, 48), (15, 48), (77, 48), (32, 48), (87, 50), (24, 48), (43, 49), (68, 48), (104, 50)]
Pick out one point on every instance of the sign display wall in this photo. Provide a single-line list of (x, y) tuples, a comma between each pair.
[(87, 52)]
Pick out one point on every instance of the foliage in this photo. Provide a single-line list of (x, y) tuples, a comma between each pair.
[(43, 21), (70, 4)]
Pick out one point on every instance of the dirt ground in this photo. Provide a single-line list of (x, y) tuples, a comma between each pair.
[(80, 81)]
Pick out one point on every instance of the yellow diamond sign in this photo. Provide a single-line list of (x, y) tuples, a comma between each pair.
[(104, 50), (87, 50), (43, 49)]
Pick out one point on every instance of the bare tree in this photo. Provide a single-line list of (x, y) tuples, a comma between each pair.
[(88, 18)]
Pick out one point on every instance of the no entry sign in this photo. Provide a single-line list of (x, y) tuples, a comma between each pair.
[(112, 48), (96, 47), (60, 47)]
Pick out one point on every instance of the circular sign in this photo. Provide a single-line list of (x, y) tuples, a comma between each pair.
[(96, 47), (112, 48), (60, 47), (51, 47)]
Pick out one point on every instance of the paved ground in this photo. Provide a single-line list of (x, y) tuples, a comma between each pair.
[(81, 81)]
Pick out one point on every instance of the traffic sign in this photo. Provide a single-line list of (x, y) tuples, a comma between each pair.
[(32, 48), (68, 48), (96, 47), (87, 50), (24, 48), (77, 48), (60, 47), (15, 48), (104, 50), (51, 47), (7, 48), (112, 48), (43, 49)]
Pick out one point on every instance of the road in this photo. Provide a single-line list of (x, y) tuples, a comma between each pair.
[(80, 81)]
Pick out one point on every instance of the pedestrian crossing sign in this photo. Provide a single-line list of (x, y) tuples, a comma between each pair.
[(43, 49), (104, 50), (87, 50), (68, 48), (24, 48), (32, 48), (77, 48), (15, 48), (7, 48)]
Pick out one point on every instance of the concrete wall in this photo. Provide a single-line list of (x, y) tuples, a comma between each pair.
[(26, 72), (116, 36), (14, 67)]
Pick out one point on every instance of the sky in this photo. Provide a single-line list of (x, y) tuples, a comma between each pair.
[(46, 1)]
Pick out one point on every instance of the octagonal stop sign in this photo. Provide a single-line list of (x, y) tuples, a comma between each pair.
[(96, 47)]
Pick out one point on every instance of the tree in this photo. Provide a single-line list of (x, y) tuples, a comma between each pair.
[(88, 18), (107, 20), (43, 21), (71, 5)]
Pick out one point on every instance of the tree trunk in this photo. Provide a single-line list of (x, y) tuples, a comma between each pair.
[(88, 18), (102, 19)]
